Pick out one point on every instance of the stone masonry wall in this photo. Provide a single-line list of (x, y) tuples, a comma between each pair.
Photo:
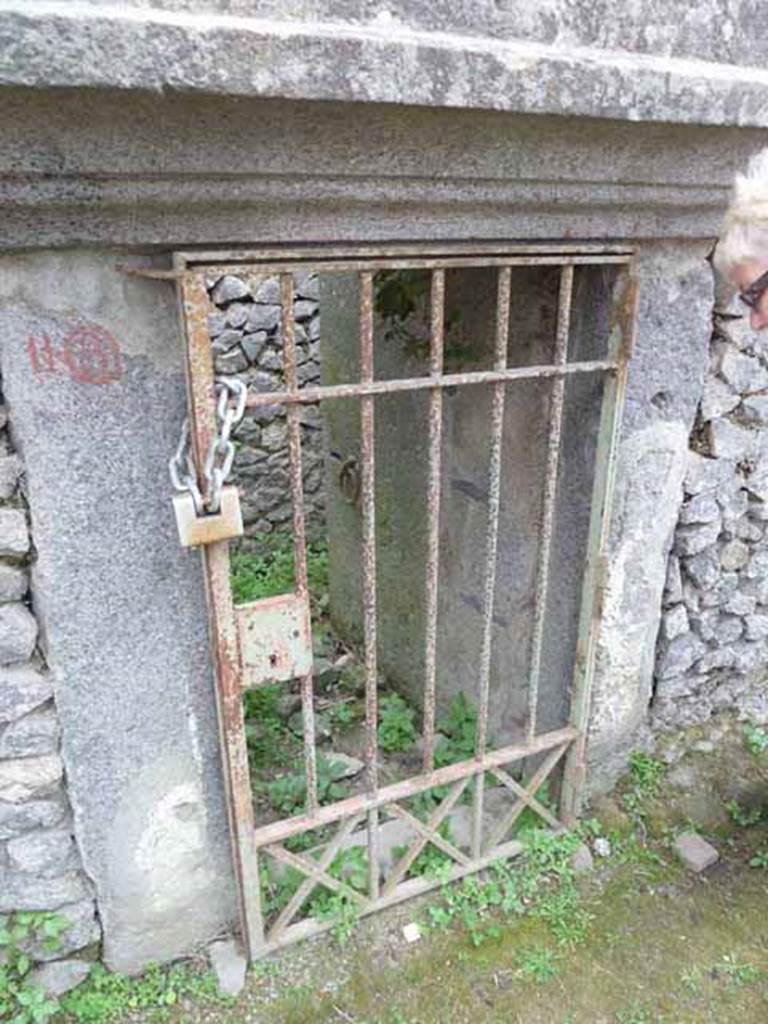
[(713, 644), (245, 333), (40, 866)]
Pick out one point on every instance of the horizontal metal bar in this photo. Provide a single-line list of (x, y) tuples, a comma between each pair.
[(411, 263), (399, 250), (280, 830), (405, 891), (447, 380)]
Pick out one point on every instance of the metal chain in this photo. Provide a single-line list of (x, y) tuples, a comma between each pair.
[(231, 395)]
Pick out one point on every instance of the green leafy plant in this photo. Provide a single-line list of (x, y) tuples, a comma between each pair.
[(537, 964), (269, 740), (20, 1001), (737, 973), (646, 772), (458, 727), (288, 793), (341, 717), (271, 572), (397, 730), (106, 997), (744, 817), (431, 861), (756, 739), (759, 860)]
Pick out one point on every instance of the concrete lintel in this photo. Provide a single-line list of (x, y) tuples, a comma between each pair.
[(383, 60)]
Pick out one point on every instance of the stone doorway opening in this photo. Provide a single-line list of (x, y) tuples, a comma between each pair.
[(425, 469)]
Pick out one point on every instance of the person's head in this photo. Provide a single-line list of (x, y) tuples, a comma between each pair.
[(741, 254)]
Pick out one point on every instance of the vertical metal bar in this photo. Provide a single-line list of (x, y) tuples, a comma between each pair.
[(193, 300), (437, 321), (299, 531), (368, 504), (624, 315), (491, 542), (550, 491)]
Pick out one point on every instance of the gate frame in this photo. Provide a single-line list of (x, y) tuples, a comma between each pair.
[(248, 843)]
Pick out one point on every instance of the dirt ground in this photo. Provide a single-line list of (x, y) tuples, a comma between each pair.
[(662, 944)]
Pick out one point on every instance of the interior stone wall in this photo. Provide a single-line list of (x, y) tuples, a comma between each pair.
[(40, 864)]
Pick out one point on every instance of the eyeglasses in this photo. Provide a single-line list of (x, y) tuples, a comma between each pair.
[(754, 292)]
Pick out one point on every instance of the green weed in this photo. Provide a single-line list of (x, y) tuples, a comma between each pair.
[(744, 817), (735, 972), (538, 964), (759, 860), (646, 772), (20, 1001), (288, 793), (458, 728), (397, 730), (105, 996), (265, 575), (756, 739)]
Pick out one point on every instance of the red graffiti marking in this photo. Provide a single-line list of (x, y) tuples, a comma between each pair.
[(86, 353)]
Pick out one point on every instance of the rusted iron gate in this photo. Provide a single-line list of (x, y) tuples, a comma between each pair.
[(284, 622)]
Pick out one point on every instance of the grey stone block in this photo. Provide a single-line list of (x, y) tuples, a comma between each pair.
[(59, 976), (755, 409), (14, 582), (14, 535), (217, 322), (718, 399), (227, 289), (31, 892), (756, 627), (10, 472), (253, 344), (740, 603), (34, 734), (229, 964), (82, 930), (707, 474), (758, 565), (18, 633), (744, 529), (231, 362), (690, 540), (226, 341), (702, 508), (263, 318), (22, 689), (45, 853), (696, 853), (679, 656), (730, 441), (743, 372), (734, 556), (18, 818), (304, 309), (237, 314), (268, 292), (704, 569), (675, 622), (721, 592), (30, 777), (732, 498)]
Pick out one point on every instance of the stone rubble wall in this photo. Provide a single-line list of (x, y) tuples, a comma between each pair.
[(713, 642), (40, 865), (246, 342)]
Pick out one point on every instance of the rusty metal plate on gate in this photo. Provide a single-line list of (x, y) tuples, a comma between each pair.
[(275, 639)]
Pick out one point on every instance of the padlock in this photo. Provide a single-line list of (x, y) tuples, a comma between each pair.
[(195, 530)]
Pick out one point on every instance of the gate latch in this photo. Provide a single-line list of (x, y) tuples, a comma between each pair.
[(275, 639), (215, 516)]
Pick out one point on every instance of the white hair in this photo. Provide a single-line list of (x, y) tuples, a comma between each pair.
[(744, 235)]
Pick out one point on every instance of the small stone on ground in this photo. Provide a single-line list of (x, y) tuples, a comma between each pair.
[(229, 964), (581, 860), (411, 932), (696, 853)]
